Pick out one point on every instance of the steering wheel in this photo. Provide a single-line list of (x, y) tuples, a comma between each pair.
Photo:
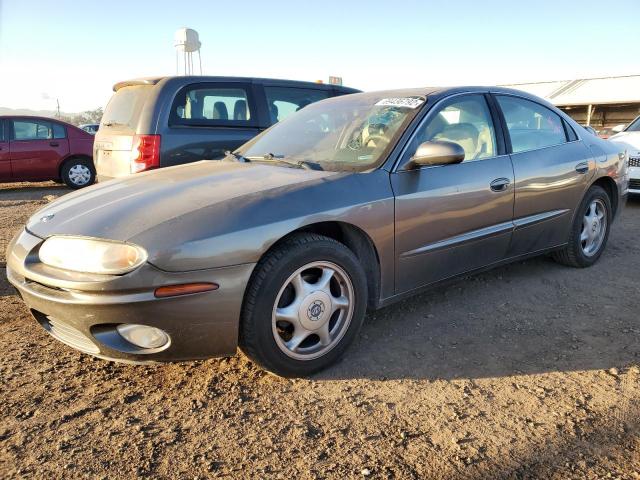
[(376, 138)]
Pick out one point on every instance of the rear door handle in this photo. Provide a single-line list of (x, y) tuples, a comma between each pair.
[(582, 167), (500, 184), (54, 144)]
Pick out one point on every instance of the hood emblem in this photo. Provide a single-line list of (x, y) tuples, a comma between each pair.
[(47, 218)]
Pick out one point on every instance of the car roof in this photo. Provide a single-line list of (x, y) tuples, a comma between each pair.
[(440, 92), (200, 78)]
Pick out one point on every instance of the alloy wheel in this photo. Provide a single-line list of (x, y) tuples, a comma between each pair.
[(313, 310)]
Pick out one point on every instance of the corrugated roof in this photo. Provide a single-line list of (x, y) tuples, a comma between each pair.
[(586, 91)]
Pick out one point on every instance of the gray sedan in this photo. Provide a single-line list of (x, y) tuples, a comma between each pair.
[(350, 204)]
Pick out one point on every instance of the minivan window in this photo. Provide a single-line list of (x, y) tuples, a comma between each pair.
[(463, 120), (32, 130), (125, 106), (531, 126), (283, 101), (204, 105)]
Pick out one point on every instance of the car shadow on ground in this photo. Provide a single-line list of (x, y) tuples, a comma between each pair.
[(31, 191)]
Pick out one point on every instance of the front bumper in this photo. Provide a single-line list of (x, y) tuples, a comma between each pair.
[(83, 310)]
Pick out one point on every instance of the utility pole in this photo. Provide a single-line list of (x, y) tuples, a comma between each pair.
[(57, 108)]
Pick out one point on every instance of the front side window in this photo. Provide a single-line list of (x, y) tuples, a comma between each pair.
[(283, 101), (2, 134), (531, 126), (211, 105), (32, 130), (465, 121)]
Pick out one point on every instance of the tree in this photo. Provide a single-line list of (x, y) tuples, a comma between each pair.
[(88, 116)]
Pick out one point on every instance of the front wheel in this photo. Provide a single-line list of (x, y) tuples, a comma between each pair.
[(590, 230), (304, 305)]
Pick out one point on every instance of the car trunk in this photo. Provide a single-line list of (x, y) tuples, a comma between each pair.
[(112, 151)]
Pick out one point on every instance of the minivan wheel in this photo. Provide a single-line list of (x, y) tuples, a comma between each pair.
[(304, 305), (78, 173), (590, 231)]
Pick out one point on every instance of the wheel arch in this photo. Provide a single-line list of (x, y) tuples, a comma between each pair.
[(609, 186), (356, 240)]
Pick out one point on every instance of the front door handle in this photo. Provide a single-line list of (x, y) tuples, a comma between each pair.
[(54, 144), (500, 184), (582, 167)]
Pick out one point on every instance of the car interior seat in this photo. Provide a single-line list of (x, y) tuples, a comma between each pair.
[(464, 134), (240, 110), (220, 111), (273, 112)]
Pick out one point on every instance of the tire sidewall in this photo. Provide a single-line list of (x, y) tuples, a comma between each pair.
[(595, 192), (70, 164), (260, 316)]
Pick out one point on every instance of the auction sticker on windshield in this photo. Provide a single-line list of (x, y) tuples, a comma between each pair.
[(407, 102)]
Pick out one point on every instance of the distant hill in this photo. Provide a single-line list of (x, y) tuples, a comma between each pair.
[(26, 111)]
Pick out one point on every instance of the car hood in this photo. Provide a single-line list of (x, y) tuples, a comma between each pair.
[(126, 209), (630, 139)]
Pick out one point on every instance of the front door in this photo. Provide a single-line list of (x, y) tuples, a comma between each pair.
[(451, 219), (37, 147)]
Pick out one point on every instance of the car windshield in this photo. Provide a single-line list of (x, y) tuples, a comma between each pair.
[(348, 133), (634, 127)]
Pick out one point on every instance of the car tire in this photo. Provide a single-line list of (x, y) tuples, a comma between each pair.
[(323, 282), (78, 173), (590, 230)]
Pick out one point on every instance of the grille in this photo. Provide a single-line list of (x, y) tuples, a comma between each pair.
[(634, 184), (634, 161), (72, 337)]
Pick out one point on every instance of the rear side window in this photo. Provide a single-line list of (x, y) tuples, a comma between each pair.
[(211, 105), (125, 107), (32, 130), (3, 137), (283, 101), (531, 126), (59, 131)]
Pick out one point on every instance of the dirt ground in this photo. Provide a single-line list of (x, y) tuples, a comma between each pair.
[(528, 371)]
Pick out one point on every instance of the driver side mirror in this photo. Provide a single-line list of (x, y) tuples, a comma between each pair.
[(434, 153)]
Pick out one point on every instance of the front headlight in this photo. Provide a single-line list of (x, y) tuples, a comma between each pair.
[(89, 255)]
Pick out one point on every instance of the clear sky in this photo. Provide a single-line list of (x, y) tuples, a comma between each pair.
[(75, 50)]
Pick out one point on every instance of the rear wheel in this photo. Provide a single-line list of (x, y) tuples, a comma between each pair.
[(78, 173), (590, 231), (304, 305)]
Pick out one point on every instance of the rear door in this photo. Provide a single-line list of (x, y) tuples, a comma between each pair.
[(206, 120), (5, 159), (552, 170), (451, 219), (36, 147)]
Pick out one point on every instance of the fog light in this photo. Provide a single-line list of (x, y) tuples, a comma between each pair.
[(143, 336)]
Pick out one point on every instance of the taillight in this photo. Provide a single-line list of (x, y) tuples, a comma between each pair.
[(145, 153)]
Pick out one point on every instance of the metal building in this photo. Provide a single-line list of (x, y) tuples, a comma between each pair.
[(599, 102)]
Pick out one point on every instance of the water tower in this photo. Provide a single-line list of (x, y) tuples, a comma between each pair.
[(186, 41)]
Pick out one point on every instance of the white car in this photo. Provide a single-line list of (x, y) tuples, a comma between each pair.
[(630, 137)]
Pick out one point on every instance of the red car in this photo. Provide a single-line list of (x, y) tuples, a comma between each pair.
[(37, 148)]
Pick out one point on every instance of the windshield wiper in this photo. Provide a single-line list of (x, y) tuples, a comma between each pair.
[(282, 159), (237, 157)]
